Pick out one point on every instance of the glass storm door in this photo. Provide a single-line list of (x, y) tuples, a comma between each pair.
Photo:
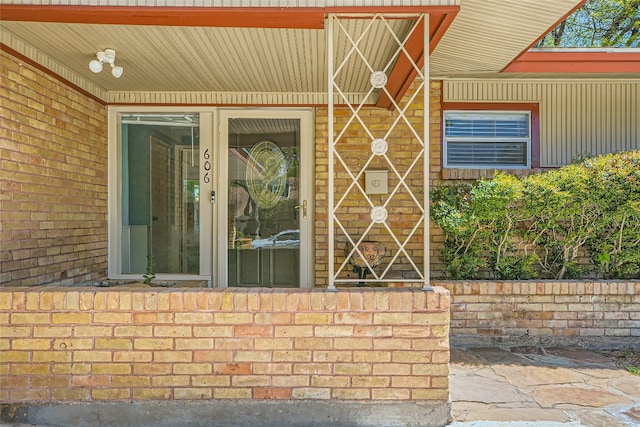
[(160, 193), (266, 212)]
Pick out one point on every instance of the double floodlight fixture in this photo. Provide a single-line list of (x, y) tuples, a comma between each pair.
[(108, 56)]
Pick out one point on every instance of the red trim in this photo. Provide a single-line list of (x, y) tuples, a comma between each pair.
[(403, 73), (248, 17), (576, 62), (240, 17), (533, 107), (47, 71)]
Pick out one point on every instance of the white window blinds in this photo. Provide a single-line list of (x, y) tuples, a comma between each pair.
[(487, 139)]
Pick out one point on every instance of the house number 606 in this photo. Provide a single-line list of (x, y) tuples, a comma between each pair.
[(207, 166)]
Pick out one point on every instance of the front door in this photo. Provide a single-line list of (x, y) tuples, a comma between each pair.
[(264, 210)]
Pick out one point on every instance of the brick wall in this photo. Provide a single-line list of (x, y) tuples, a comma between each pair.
[(355, 149), (53, 158), (104, 344), (594, 313)]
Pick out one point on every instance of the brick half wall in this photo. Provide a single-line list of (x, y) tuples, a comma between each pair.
[(594, 314), (369, 345)]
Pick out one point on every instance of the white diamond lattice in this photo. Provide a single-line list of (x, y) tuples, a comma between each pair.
[(379, 214), (378, 79), (379, 146), (404, 172)]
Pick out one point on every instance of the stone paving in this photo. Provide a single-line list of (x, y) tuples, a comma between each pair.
[(532, 386)]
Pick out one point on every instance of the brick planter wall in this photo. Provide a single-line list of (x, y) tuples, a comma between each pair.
[(104, 344), (568, 312)]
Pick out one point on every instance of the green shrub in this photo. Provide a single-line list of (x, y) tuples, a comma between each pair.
[(550, 220), (615, 184), (560, 218), (501, 204), (463, 246), (479, 222)]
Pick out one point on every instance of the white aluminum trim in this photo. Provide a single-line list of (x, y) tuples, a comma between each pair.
[(235, 98), (115, 193), (331, 144), (427, 155), (305, 116), (207, 209)]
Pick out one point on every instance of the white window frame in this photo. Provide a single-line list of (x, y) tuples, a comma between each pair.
[(446, 140), (207, 228)]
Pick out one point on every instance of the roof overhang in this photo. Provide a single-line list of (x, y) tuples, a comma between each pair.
[(23, 23), (576, 62), (255, 55)]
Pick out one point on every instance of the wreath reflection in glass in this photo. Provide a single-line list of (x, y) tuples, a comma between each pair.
[(266, 174)]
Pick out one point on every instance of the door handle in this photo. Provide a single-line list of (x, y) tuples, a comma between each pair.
[(304, 208)]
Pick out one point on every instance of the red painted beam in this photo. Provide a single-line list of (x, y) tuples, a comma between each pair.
[(403, 74), (576, 62), (247, 17), (187, 16)]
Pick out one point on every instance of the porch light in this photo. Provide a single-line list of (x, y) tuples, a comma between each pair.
[(107, 56)]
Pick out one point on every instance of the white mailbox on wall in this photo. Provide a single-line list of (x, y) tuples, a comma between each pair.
[(376, 181)]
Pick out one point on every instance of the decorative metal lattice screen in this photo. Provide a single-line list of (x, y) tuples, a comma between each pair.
[(380, 233)]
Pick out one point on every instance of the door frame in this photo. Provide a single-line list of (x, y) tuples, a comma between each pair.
[(115, 190), (306, 185)]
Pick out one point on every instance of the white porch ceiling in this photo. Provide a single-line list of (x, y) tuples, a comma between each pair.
[(215, 65)]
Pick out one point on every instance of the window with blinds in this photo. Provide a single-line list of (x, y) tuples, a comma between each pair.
[(487, 139)]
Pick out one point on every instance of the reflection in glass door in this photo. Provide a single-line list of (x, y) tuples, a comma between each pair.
[(264, 207), (160, 193)]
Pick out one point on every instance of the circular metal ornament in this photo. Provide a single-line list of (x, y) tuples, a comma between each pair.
[(266, 174), (378, 214), (378, 79), (379, 146)]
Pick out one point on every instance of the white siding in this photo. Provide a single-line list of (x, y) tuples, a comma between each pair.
[(576, 118)]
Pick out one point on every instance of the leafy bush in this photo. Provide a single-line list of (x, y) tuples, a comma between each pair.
[(462, 251), (560, 218), (550, 220), (479, 222), (615, 184)]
